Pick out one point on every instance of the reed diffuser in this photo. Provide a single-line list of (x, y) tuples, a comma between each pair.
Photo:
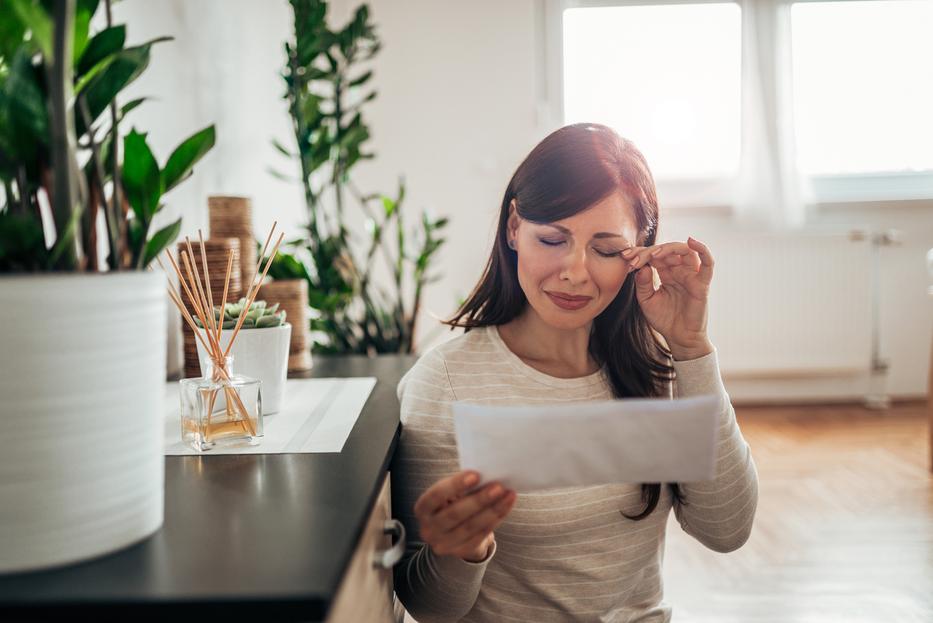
[(219, 407)]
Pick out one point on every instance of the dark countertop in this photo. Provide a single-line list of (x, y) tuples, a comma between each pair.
[(266, 537)]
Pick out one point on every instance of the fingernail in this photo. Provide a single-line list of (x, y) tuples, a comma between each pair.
[(655, 251), (470, 480), (495, 491), (627, 252)]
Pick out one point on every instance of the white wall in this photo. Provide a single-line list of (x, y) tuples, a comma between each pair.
[(457, 111)]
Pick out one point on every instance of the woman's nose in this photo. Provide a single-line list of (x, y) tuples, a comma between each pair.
[(574, 268)]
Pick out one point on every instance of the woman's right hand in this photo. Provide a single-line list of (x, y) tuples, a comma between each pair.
[(454, 522)]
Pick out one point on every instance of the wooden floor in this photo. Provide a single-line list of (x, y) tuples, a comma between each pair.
[(843, 531)]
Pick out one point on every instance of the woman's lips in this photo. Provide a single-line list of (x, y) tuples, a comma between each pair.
[(565, 303)]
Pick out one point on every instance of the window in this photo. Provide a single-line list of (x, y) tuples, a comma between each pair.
[(667, 74), (863, 86), (625, 66)]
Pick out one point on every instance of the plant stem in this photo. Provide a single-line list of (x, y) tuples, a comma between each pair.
[(13, 206), (118, 222), (390, 261), (98, 180), (299, 124), (338, 162), (65, 194), (413, 319), (22, 185)]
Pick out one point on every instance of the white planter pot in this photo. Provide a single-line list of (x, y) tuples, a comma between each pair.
[(261, 354), (82, 380)]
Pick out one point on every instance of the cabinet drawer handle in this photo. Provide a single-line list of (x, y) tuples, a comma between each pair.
[(387, 559)]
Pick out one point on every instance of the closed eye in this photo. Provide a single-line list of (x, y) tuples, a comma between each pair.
[(554, 243)]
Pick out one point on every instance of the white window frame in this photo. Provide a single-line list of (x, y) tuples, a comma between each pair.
[(867, 189)]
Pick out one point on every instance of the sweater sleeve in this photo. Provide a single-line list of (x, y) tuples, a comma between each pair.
[(431, 587), (718, 513)]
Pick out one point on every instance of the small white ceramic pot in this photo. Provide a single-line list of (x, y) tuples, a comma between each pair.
[(261, 354)]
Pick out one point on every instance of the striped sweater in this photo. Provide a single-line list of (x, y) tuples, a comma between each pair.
[(561, 554)]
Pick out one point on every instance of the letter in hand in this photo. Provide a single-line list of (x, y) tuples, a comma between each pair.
[(456, 518)]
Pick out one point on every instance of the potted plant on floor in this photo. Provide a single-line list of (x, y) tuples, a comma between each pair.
[(83, 367), (325, 77)]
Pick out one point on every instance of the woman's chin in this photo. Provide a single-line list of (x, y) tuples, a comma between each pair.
[(564, 320)]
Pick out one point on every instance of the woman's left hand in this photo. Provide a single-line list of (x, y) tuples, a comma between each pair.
[(678, 310)]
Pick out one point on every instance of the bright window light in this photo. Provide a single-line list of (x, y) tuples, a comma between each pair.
[(666, 77), (863, 86)]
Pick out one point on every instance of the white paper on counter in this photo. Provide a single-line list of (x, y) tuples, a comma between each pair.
[(317, 415), (643, 440)]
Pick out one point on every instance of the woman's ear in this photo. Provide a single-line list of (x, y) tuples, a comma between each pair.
[(514, 219)]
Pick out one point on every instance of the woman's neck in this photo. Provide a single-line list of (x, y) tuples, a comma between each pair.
[(563, 353)]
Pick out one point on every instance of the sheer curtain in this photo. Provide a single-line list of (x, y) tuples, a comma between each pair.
[(769, 191)]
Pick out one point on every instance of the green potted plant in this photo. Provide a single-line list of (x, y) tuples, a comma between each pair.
[(350, 312), (83, 332), (261, 347)]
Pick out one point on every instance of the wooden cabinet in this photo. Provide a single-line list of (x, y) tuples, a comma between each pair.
[(366, 592)]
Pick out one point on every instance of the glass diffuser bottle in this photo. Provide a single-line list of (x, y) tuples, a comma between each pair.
[(220, 408)]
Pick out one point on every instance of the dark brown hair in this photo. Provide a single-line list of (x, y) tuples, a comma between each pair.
[(572, 169)]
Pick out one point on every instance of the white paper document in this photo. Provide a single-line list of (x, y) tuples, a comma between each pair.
[(643, 440), (317, 415)]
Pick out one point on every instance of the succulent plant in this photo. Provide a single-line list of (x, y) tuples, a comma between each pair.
[(258, 317)]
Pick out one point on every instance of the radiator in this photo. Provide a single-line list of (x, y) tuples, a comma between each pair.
[(794, 305)]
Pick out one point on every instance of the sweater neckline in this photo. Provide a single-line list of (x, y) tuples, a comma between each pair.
[(569, 383)]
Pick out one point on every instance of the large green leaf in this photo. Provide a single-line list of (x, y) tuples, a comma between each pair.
[(160, 240), (35, 19), (185, 156), (124, 67), (12, 32), (141, 178), (287, 266), (103, 44), (135, 238), (26, 116), (84, 11)]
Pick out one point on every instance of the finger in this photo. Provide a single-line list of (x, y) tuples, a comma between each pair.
[(455, 514), (690, 262), (644, 283), (673, 248), (706, 259), (479, 542), (666, 260), (481, 524), (637, 256), (438, 495), (666, 248)]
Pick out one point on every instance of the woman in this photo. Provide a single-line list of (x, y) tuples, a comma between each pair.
[(568, 310)]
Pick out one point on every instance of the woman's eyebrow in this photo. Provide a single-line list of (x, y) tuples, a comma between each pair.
[(602, 234)]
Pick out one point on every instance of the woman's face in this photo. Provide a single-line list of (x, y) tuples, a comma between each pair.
[(576, 256)]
